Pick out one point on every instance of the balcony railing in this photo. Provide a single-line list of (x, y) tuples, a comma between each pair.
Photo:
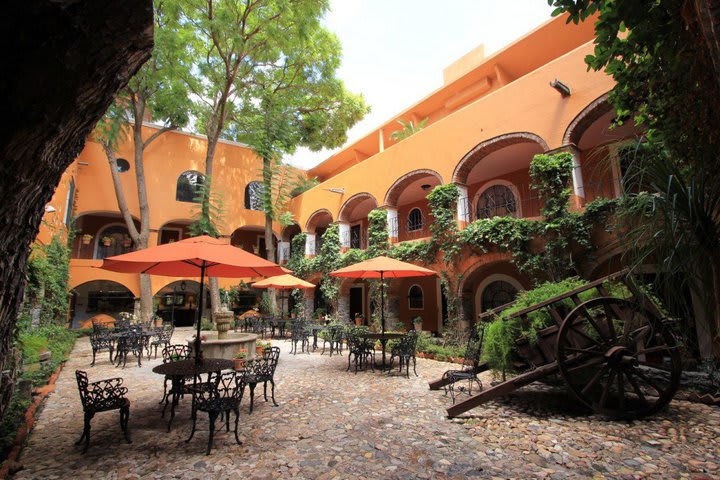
[(392, 225), (283, 252), (355, 238)]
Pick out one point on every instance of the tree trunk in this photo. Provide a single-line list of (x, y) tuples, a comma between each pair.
[(67, 61), (146, 298)]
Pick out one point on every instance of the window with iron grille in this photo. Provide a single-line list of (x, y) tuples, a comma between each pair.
[(497, 201), (496, 294), (253, 196), (415, 220), (355, 237), (415, 298), (188, 184)]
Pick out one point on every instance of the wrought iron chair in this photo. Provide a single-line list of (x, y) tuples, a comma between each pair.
[(405, 350), (257, 324), (133, 342), (162, 338), (172, 353), (262, 370), (470, 368), (101, 339), (220, 395), (299, 334), (333, 335), (360, 350), (102, 396)]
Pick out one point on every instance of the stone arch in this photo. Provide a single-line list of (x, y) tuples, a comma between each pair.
[(352, 202), (393, 193), (474, 156), (101, 298), (478, 275), (313, 220), (596, 109)]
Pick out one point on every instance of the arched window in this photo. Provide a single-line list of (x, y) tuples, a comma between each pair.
[(122, 165), (415, 298), (188, 186), (496, 201), (496, 294), (253, 196), (113, 240), (415, 220)]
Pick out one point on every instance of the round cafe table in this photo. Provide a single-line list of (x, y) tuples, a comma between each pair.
[(180, 370)]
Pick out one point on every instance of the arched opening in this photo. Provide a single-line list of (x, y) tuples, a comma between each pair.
[(604, 148), (496, 173), (254, 196), (113, 240), (174, 231), (409, 194), (100, 235), (353, 218), (287, 235), (188, 186), (251, 239), (99, 299), (316, 225), (177, 302), (490, 285)]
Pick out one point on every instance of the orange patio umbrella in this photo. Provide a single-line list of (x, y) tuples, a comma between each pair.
[(382, 268), (194, 257), (283, 282)]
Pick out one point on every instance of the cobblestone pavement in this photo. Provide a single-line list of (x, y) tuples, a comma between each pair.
[(335, 424)]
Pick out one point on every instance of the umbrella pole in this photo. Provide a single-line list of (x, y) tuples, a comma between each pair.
[(382, 316), (198, 353)]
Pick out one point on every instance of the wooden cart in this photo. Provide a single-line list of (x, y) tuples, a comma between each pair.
[(617, 356)]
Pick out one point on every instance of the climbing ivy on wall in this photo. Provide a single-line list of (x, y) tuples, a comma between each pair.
[(46, 292)]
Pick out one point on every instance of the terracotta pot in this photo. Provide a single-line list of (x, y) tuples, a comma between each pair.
[(158, 322), (259, 351), (127, 243), (86, 240), (418, 327), (239, 363), (107, 243), (358, 321)]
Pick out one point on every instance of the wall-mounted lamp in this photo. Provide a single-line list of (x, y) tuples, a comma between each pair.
[(561, 87), (425, 186), (341, 191), (50, 209)]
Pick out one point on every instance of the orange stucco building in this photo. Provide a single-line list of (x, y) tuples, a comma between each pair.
[(484, 125)]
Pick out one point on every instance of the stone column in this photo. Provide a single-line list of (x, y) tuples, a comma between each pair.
[(310, 245), (283, 252), (344, 231), (343, 312), (577, 177), (392, 224), (463, 206)]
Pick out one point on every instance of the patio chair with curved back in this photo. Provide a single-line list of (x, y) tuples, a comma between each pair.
[(172, 353), (101, 339), (219, 395), (469, 370), (162, 338), (405, 350), (360, 350), (299, 334), (334, 335), (102, 396), (257, 325), (262, 370), (132, 341)]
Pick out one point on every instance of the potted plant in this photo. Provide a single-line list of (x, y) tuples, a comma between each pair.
[(239, 359), (107, 241), (175, 357), (86, 239), (260, 347), (127, 241), (157, 321), (358, 319), (417, 323)]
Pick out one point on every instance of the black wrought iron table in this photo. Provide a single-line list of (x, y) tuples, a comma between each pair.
[(383, 337), (180, 370)]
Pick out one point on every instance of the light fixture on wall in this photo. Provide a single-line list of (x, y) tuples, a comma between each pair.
[(426, 186), (341, 191), (50, 209), (561, 87)]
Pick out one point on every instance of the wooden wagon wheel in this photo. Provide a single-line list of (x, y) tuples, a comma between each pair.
[(618, 358)]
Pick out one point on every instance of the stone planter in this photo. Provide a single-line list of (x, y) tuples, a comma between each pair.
[(223, 319)]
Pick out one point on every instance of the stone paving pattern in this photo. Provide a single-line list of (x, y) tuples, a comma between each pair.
[(336, 424)]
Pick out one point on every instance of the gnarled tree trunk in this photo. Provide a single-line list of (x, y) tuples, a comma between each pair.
[(64, 61)]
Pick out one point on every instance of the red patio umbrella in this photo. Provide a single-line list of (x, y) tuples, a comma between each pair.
[(382, 268), (194, 257), (283, 282)]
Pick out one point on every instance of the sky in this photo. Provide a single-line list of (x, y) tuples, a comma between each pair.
[(394, 51)]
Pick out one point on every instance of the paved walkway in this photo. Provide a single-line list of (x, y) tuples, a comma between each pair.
[(334, 424)]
